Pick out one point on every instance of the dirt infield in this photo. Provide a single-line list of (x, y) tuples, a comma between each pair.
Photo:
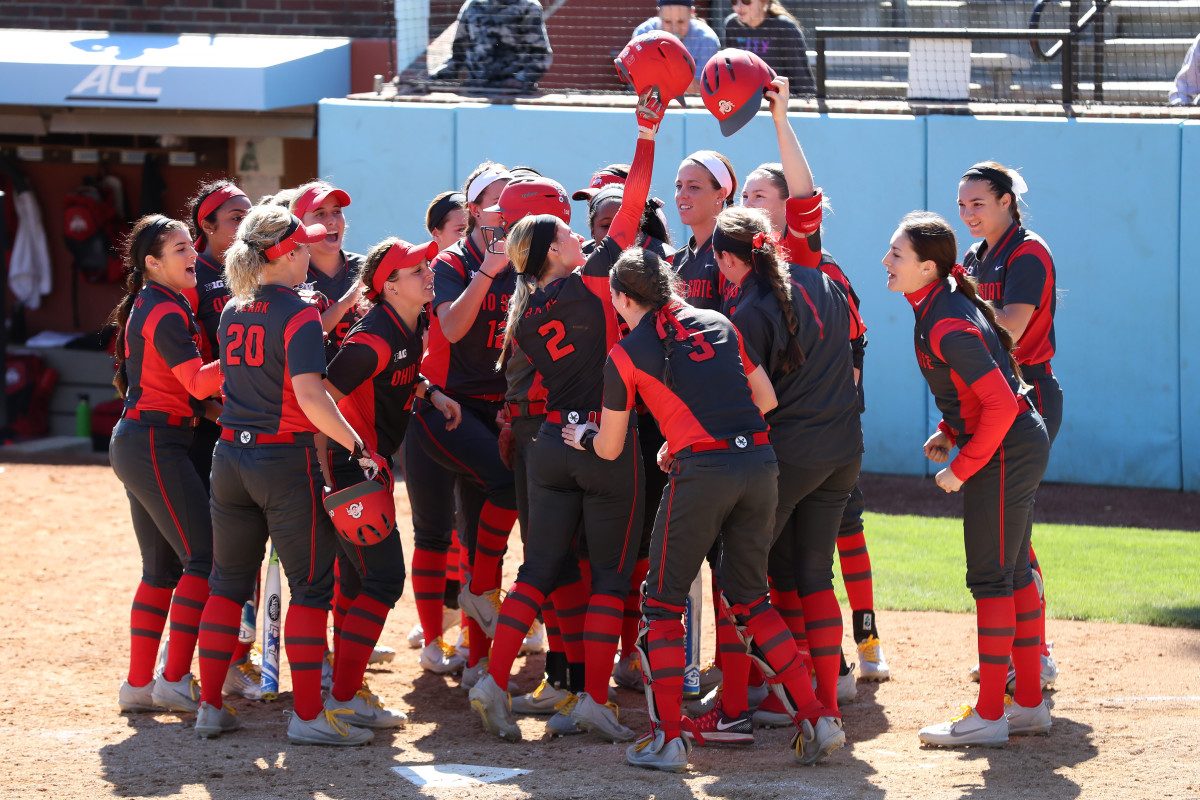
[(1127, 704)]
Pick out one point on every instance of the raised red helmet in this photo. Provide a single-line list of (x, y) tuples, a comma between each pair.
[(523, 197), (732, 86), (363, 514), (656, 59)]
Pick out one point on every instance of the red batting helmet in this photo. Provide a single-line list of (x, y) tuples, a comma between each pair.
[(732, 87), (363, 514), (656, 59), (521, 198)]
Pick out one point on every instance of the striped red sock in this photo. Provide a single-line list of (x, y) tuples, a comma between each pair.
[(187, 604), (791, 609), (823, 624), (452, 557), (517, 613), (601, 637), (304, 643), (735, 665), (554, 640), (777, 648), (491, 540), (664, 641), (1027, 646), (147, 618), (996, 618), (241, 651), (360, 631), (478, 644), (633, 607), (571, 603), (856, 570), (218, 638), (429, 589), (1033, 562)]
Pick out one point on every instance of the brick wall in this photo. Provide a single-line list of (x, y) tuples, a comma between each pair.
[(353, 18)]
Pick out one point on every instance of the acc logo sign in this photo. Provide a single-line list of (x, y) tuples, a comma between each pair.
[(114, 82), (725, 106), (355, 510)]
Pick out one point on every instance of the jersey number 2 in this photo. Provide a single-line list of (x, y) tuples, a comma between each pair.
[(252, 338), (556, 332)]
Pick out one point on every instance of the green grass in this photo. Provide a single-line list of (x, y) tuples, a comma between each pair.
[(1109, 574)]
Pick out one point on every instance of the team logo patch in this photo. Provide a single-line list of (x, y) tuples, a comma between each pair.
[(573, 417), (245, 437), (355, 510), (741, 442), (725, 106)]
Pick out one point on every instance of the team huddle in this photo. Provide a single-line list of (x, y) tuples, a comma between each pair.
[(636, 408)]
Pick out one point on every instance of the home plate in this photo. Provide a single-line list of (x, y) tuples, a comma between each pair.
[(449, 776)]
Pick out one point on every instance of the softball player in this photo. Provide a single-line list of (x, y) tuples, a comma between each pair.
[(704, 184), (446, 218), (565, 327), (266, 482), (471, 292), (374, 379), (966, 358), (691, 370), (165, 382), (1015, 272), (332, 271)]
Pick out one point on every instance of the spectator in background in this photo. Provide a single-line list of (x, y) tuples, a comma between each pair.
[(766, 29), (1187, 82), (678, 18), (501, 44)]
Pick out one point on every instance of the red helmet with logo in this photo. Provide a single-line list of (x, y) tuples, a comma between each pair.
[(363, 514), (732, 87), (656, 59), (523, 197)]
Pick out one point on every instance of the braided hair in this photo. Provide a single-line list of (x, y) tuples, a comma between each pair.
[(745, 233), (649, 281)]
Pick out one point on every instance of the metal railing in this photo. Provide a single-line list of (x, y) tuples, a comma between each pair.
[(1079, 23)]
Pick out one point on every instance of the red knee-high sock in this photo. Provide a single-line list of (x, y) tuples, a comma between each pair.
[(856, 570), (187, 604), (360, 631), (735, 665), (491, 540), (554, 640), (996, 618), (570, 604), (478, 644), (777, 648), (633, 607), (517, 613), (304, 643), (664, 640), (429, 590), (601, 637), (1033, 562), (147, 618), (218, 637), (791, 609), (452, 557), (823, 624), (1027, 646), (341, 604)]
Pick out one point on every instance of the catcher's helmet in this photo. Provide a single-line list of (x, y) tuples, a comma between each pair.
[(656, 59), (363, 514)]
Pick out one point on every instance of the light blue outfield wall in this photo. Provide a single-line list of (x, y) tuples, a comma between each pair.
[(1106, 196)]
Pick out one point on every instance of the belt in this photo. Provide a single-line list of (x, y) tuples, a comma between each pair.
[(743, 442), (573, 417), (160, 418), (487, 398), (249, 438), (526, 408), (1023, 404)]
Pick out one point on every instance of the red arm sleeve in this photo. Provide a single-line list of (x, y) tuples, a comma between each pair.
[(624, 227), (998, 409), (201, 380)]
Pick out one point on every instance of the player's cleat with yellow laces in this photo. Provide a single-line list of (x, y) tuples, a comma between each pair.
[(493, 706), (243, 679), (133, 699), (472, 675), (542, 700), (561, 724), (329, 728), (483, 608), (1024, 721), (211, 721), (813, 743), (441, 658), (535, 640), (600, 719), (872, 666), (654, 751), (182, 695), (968, 728), (367, 711), (627, 672)]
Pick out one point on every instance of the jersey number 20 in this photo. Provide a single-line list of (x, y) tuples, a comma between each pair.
[(252, 338)]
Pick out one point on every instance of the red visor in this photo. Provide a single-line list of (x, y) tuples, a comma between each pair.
[(314, 196), (210, 204), (599, 181), (297, 234), (401, 255)]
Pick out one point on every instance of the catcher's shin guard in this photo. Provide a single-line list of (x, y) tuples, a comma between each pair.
[(748, 633), (660, 647)]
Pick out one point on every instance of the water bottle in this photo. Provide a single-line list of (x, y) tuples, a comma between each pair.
[(83, 418)]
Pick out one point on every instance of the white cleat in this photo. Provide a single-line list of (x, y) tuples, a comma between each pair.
[(600, 719), (968, 728), (542, 700), (366, 710), (1024, 721), (441, 658), (813, 743), (494, 708), (534, 641), (872, 666)]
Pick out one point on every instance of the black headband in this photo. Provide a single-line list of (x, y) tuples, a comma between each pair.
[(146, 240), (443, 207), (545, 230), (996, 176), (610, 192), (724, 243)]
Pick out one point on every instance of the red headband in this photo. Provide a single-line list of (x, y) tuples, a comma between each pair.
[(400, 255), (211, 203)]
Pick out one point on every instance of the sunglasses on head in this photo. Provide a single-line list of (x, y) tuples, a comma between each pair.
[(743, 2)]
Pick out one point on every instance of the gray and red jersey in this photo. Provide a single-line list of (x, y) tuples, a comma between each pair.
[(967, 370), (816, 423), (708, 366), (468, 367), (274, 336), (334, 288), (560, 332), (377, 370), (1019, 269), (696, 266), (160, 335)]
